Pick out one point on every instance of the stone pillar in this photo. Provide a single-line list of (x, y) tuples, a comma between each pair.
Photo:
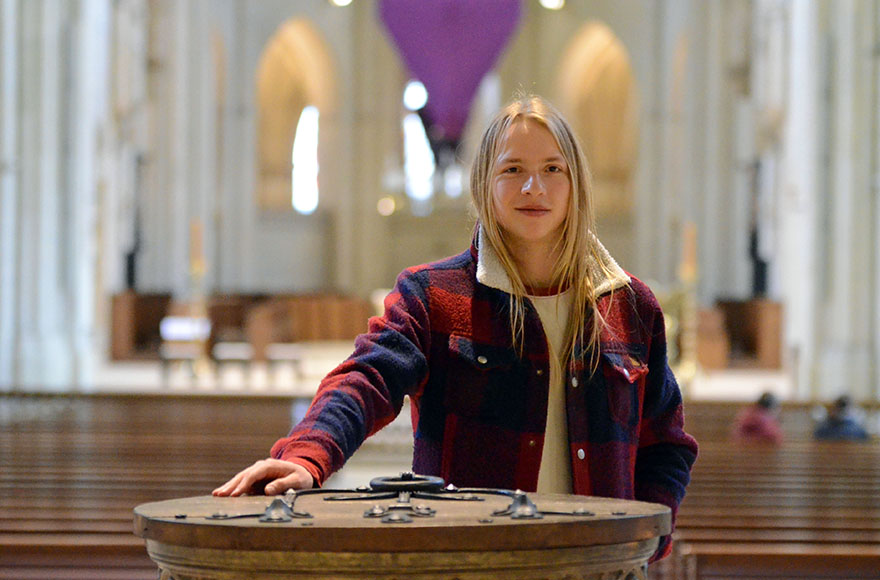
[(160, 199), (203, 135), (180, 185), (875, 192), (375, 120), (235, 240), (87, 328), (9, 204), (52, 82), (799, 274), (170, 201), (846, 290), (658, 239), (649, 168), (722, 148), (706, 166), (671, 126), (45, 357)]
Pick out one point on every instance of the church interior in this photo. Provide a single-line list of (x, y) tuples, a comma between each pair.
[(202, 202)]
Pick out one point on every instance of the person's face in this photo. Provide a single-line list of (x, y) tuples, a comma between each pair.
[(531, 186)]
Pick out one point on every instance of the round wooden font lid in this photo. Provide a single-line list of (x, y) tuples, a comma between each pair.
[(399, 521)]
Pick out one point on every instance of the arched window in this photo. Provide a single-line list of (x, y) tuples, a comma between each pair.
[(294, 82), (433, 176), (418, 165), (304, 160), (598, 90), (418, 159)]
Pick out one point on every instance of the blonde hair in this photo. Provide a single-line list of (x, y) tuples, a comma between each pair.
[(578, 246)]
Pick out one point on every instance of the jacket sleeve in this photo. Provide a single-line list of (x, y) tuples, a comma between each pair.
[(366, 391), (666, 452)]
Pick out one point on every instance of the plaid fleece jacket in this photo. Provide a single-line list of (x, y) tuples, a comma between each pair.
[(479, 410)]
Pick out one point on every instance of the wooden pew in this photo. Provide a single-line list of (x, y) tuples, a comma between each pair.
[(802, 510), (711, 561), (73, 468)]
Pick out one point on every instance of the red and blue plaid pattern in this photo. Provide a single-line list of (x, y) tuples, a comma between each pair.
[(480, 409)]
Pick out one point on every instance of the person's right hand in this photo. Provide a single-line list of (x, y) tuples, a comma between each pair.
[(269, 476)]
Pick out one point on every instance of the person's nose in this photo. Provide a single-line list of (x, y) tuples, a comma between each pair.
[(533, 185)]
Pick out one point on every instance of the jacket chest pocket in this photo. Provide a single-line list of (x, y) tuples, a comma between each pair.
[(624, 375), (483, 381)]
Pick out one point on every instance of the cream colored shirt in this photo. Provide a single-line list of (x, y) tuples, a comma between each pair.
[(554, 475)]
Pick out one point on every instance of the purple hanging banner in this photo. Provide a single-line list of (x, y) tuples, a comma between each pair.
[(450, 45)]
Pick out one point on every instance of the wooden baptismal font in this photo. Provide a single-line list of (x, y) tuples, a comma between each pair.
[(409, 527)]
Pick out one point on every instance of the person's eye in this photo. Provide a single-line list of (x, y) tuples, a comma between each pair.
[(511, 169), (555, 169)]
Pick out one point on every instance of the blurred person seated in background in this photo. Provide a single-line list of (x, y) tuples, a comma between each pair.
[(759, 422), (843, 422)]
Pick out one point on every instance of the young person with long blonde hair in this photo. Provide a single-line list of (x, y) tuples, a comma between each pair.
[(532, 360)]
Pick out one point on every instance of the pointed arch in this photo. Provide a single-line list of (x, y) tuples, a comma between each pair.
[(598, 90), (295, 71)]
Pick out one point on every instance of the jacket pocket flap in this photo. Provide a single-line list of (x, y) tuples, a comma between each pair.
[(481, 356), (631, 366)]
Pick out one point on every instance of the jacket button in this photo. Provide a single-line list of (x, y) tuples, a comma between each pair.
[(532, 443), (581, 454), (482, 360), (574, 382), (540, 372)]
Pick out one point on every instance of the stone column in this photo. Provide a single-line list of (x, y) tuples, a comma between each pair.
[(244, 56), (649, 169), (847, 291), (667, 132), (167, 198), (45, 356), (203, 134), (157, 205), (875, 192), (182, 148), (236, 167), (52, 82), (798, 190), (722, 148), (375, 118), (87, 327), (9, 204), (670, 124)]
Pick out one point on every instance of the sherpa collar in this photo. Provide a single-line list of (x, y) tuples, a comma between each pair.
[(491, 273)]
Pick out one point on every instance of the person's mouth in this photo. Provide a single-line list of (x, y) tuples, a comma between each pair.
[(533, 210)]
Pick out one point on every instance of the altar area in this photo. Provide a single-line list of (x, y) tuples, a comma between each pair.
[(320, 357)]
